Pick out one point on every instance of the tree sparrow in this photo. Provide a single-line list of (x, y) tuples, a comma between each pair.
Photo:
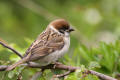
[(50, 45)]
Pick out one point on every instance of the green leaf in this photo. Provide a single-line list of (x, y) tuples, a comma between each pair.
[(14, 57), (91, 77), (11, 74), (71, 77), (94, 64)]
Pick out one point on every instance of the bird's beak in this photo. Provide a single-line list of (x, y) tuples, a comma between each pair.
[(71, 29)]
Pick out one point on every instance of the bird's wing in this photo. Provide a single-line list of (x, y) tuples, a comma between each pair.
[(53, 44), (46, 43)]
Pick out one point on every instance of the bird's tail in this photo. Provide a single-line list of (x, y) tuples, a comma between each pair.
[(25, 59)]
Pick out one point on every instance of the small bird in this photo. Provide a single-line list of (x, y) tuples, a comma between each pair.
[(50, 45)]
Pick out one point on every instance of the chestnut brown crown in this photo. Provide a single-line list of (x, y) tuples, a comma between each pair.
[(61, 25)]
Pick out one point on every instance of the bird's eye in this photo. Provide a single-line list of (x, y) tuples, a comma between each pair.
[(62, 31)]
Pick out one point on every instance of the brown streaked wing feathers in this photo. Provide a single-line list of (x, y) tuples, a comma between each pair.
[(54, 42), (41, 40)]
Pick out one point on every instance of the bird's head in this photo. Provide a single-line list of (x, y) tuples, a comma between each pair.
[(61, 25)]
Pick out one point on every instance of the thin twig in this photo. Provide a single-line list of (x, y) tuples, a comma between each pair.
[(101, 76), (13, 50), (62, 75), (65, 67)]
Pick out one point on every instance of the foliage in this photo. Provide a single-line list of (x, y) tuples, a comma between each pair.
[(104, 59)]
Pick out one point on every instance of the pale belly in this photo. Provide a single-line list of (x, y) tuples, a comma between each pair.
[(53, 57)]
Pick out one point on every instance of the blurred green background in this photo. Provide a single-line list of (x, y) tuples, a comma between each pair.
[(21, 21)]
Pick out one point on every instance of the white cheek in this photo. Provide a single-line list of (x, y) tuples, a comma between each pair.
[(67, 34)]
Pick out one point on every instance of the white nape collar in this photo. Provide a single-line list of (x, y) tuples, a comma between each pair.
[(54, 29)]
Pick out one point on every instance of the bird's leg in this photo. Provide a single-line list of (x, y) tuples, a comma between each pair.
[(56, 63)]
